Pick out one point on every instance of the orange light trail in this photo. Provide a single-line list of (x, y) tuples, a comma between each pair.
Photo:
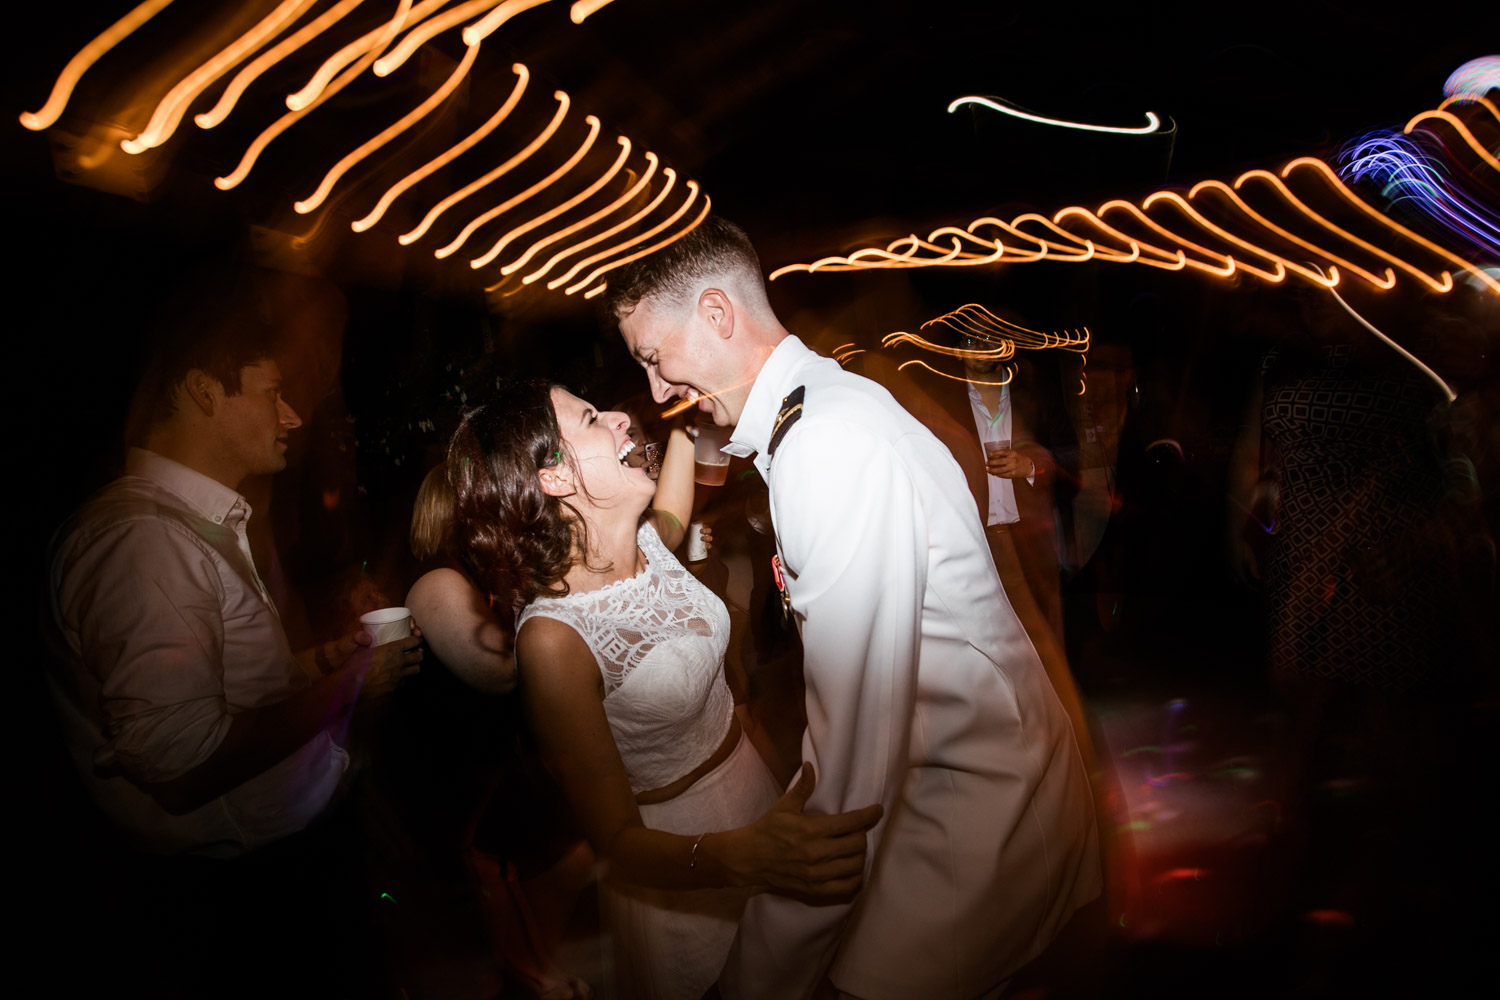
[(555, 211), (1462, 129), (668, 174), (271, 57), (563, 101), (438, 162), (631, 192), (702, 214), (583, 8), (601, 255), (418, 36), (373, 41), (171, 108), (407, 121), (512, 202), (1250, 234), (286, 121), (62, 89), (478, 32), (957, 378)]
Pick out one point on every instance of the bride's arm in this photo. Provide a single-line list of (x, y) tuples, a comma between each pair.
[(783, 851), (672, 507)]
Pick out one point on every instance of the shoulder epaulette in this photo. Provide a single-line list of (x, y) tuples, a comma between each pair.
[(790, 413)]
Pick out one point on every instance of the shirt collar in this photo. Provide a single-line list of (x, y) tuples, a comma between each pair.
[(205, 496), (753, 433)]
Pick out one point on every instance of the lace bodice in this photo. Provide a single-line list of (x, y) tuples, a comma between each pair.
[(659, 638)]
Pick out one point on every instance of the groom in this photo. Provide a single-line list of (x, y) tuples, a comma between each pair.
[(923, 692)]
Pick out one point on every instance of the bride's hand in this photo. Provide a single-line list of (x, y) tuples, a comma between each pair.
[(821, 858)]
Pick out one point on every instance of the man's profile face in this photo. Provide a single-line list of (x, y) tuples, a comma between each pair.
[(253, 425), (685, 358)]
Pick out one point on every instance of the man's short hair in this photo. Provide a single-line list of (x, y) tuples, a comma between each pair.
[(215, 326), (672, 274)]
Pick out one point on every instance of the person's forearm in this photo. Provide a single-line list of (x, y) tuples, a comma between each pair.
[(257, 740), (663, 860), (674, 486)]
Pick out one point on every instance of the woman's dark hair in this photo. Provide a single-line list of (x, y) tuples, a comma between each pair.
[(509, 535)]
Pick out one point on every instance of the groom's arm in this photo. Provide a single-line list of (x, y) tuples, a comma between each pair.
[(852, 531)]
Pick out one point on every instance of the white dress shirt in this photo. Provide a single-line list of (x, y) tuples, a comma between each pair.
[(924, 694), (993, 428), (169, 632)]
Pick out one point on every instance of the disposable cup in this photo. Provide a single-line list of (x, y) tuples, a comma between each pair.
[(990, 447), (387, 624), (696, 550), (710, 464)]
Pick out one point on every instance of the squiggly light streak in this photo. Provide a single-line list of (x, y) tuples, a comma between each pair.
[(1153, 123), (957, 378), (669, 175), (583, 8), (443, 159), (407, 121), (909, 251), (1409, 356), (1354, 200), (605, 268), (1389, 281), (371, 41), (1474, 78), (1461, 128), (1002, 350), (512, 202), (1408, 174), (1443, 285), (271, 57), (402, 51), (635, 187), (475, 33), (563, 101), (286, 121), (169, 111), (976, 317), (107, 39), (553, 213)]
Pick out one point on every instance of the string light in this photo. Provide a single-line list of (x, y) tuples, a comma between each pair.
[(668, 174), (62, 89)]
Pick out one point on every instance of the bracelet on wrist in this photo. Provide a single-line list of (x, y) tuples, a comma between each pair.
[(693, 854)]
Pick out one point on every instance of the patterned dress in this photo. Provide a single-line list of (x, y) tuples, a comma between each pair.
[(1355, 473)]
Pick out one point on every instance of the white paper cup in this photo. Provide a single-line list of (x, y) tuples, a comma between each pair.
[(387, 624), (696, 550)]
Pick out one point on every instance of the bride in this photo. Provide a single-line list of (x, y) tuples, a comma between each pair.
[(621, 658)]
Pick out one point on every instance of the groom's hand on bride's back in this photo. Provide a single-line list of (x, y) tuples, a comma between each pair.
[(819, 859)]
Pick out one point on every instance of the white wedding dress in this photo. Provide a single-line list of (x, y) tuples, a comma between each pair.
[(660, 637)]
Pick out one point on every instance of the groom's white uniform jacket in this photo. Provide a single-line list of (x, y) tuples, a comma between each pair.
[(924, 694)]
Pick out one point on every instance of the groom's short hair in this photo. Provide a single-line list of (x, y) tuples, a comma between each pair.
[(716, 250)]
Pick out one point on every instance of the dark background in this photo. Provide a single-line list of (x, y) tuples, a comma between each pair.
[(818, 126)]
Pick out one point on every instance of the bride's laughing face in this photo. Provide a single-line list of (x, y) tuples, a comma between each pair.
[(599, 442)]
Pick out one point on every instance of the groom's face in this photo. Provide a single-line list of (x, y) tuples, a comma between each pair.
[(684, 357)]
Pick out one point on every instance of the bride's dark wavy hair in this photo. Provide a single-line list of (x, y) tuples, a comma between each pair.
[(509, 535)]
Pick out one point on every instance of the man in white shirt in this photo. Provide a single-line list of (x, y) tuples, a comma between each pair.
[(923, 691), (195, 728)]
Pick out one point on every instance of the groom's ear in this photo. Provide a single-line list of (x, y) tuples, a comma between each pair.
[(716, 309)]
